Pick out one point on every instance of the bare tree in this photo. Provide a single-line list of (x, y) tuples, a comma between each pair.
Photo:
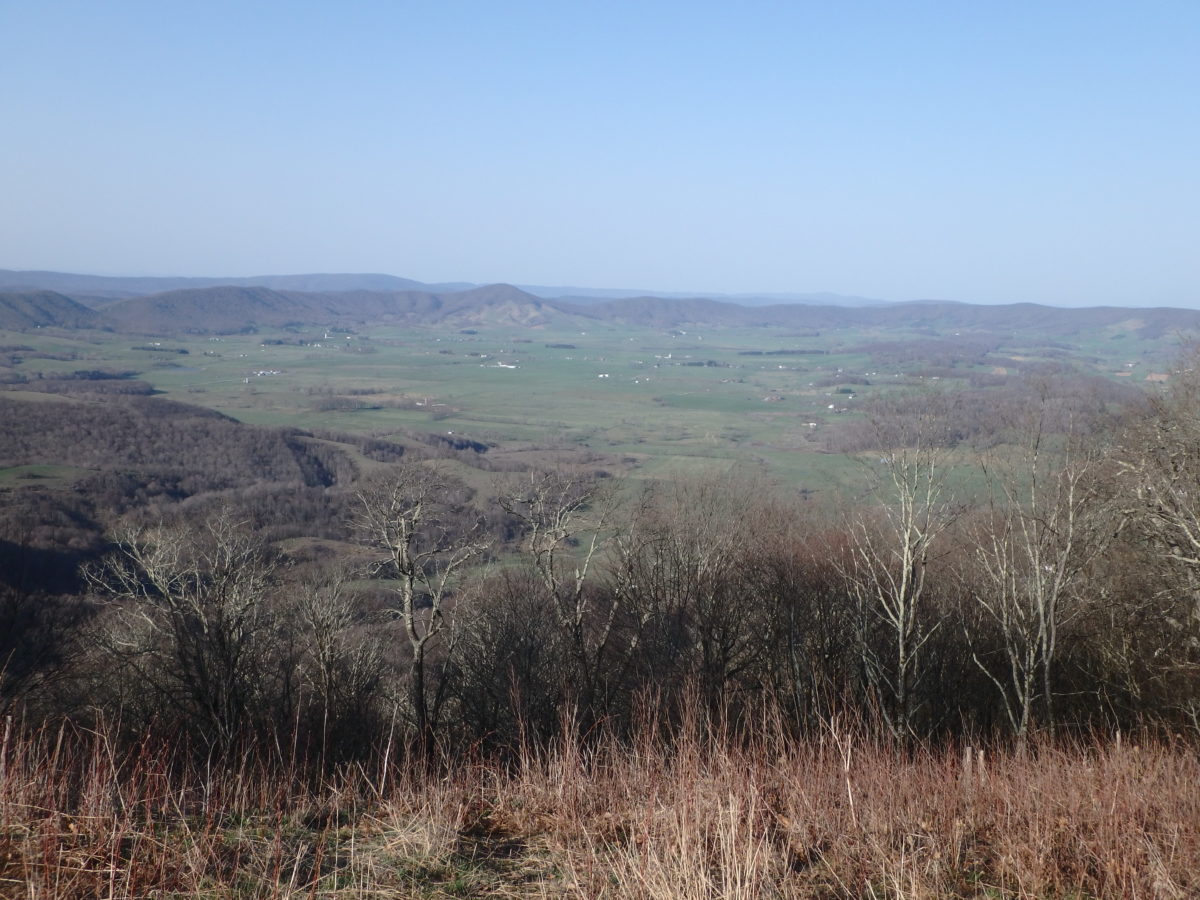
[(690, 564), (1047, 525), (566, 520), (189, 617), (343, 662), (509, 669), (408, 514), (1158, 490), (1159, 463), (814, 654), (887, 560)]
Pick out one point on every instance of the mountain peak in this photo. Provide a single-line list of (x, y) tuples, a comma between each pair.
[(498, 293)]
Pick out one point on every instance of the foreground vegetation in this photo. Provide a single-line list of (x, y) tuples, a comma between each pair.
[(689, 814)]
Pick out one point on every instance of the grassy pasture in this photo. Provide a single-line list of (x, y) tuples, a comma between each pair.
[(716, 400), (44, 475)]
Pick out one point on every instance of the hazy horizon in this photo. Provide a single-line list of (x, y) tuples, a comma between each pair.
[(1015, 154)]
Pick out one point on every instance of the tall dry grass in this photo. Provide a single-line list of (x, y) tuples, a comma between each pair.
[(702, 814)]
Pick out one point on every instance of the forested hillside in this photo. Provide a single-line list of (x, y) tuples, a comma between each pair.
[(25, 310), (87, 452)]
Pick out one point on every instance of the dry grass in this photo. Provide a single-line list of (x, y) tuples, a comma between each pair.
[(702, 817)]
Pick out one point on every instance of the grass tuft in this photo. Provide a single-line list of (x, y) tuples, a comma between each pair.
[(836, 815)]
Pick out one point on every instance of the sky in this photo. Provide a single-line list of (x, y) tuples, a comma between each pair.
[(979, 151)]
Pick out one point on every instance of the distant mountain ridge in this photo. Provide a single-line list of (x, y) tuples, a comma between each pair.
[(107, 287), (230, 308), (99, 289), (592, 295), (1149, 322)]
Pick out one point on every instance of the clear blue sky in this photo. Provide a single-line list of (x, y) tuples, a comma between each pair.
[(981, 151)]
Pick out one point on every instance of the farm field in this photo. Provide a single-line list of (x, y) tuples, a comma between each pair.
[(658, 401)]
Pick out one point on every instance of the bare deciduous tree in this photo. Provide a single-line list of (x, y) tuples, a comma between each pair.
[(406, 514), (1159, 463), (1047, 525), (566, 521), (189, 616), (889, 551), (690, 564), (1158, 489), (342, 660), (509, 672)]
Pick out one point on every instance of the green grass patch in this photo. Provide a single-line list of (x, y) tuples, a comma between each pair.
[(45, 475)]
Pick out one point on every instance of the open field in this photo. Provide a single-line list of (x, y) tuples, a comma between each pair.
[(662, 401)]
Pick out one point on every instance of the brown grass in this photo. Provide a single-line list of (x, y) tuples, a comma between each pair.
[(702, 816)]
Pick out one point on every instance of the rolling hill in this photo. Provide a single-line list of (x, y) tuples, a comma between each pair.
[(231, 309), (24, 310), (224, 309)]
